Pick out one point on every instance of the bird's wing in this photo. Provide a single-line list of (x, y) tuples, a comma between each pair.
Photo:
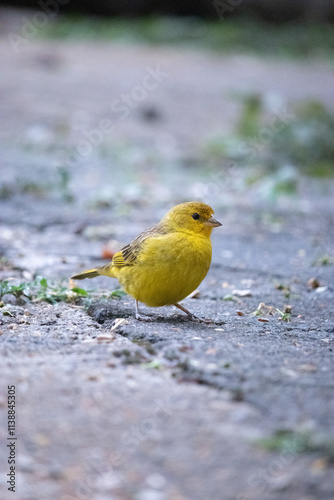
[(127, 256)]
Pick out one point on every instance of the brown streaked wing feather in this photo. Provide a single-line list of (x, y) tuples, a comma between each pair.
[(127, 255)]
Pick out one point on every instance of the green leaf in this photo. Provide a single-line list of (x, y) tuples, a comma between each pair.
[(229, 297), (118, 293), (80, 291), (43, 283), (155, 364), (4, 288)]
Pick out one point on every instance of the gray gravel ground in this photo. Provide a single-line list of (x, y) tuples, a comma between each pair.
[(173, 409)]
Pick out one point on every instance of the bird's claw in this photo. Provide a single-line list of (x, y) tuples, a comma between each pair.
[(200, 320), (140, 317)]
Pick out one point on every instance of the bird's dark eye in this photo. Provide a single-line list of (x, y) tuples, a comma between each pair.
[(195, 216)]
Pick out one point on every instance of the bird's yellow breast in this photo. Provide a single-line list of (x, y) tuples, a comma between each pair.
[(168, 268)]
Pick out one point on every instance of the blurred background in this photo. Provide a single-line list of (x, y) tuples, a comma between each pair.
[(127, 108), (271, 10)]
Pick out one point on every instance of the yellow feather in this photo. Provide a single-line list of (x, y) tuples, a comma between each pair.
[(90, 273), (93, 273)]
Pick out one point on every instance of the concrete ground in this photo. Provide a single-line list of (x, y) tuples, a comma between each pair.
[(237, 409)]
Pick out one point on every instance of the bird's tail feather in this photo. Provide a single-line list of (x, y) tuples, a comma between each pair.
[(93, 273)]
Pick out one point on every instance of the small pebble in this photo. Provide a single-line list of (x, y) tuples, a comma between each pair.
[(242, 293), (313, 283)]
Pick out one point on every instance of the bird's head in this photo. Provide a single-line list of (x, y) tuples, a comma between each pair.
[(192, 217)]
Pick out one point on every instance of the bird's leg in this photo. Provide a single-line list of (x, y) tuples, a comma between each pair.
[(184, 310), (189, 314), (139, 317)]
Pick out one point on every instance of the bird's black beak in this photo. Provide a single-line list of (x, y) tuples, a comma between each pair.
[(212, 222)]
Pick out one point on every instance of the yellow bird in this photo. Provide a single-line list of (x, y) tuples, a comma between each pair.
[(165, 263)]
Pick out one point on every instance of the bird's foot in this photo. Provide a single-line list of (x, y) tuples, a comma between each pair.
[(191, 315), (200, 320), (141, 317)]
